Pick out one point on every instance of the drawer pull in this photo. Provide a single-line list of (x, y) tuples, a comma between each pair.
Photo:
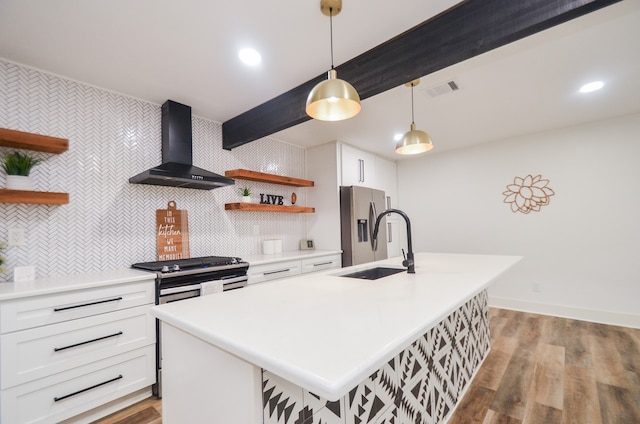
[(276, 272), (323, 263), (64, 308), (58, 349), (57, 399)]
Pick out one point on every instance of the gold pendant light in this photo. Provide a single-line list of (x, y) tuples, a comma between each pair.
[(333, 99), (414, 141)]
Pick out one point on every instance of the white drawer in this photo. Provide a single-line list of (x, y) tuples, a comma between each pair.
[(36, 311), (267, 272), (321, 263), (31, 354), (78, 390)]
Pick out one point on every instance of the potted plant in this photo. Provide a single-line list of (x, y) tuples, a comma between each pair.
[(246, 195), (18, 165)]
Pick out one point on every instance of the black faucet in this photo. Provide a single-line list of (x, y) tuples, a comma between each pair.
[(408, 260)]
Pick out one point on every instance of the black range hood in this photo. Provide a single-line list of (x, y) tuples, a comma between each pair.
[(177, 169)]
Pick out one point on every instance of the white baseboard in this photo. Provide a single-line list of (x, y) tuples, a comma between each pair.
[(603, 317)]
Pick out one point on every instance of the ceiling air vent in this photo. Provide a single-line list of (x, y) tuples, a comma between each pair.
[(442, 88)]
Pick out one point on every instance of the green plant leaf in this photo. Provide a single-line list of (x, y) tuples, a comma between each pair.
[(17, 163)]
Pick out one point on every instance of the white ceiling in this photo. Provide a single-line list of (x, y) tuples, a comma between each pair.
[(187, 51)]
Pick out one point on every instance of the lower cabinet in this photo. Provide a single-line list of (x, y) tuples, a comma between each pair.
[(67, 353), (79, 389), (273, 271), (288, 267)]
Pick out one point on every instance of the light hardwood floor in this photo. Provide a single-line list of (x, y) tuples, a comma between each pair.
[(541, 370)]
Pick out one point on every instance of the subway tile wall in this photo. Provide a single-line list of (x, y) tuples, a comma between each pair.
[(110, 223)]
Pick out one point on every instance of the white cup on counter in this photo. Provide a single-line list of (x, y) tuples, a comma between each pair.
[(268, 247)]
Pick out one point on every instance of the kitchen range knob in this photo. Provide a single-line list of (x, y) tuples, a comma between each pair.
[(176, 267), (165, 268)]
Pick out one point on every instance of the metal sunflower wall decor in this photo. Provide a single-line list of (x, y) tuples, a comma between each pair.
[(528, 194)]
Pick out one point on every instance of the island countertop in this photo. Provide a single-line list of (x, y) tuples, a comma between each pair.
[(326, 333)]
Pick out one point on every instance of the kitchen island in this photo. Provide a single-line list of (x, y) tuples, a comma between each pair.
[(331, 349)]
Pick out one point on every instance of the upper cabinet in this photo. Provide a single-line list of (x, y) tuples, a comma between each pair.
[(358, 167), (386, 180)]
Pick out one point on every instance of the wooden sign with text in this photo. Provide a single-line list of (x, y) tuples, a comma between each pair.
[(172, 227)]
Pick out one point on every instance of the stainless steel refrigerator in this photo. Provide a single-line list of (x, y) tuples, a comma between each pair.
[(359, 208)]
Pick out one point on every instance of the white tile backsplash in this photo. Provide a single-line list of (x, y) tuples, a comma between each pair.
[(110, 223)]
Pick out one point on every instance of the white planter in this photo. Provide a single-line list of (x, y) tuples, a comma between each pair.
[(246, 199), (19, 182)]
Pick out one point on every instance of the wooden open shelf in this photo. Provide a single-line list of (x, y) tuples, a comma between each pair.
[(245, 174), (30, 141), (34, 197), (267, 208)]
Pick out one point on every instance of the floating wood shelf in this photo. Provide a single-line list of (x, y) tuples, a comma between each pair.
[(267, 208), (244, 174), (34, 197), (29, 141)]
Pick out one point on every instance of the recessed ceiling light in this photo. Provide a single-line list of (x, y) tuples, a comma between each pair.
[(592, 86), (250, 57)]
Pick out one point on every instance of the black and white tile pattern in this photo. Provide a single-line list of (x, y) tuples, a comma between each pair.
[(108, 222), (421, 385)]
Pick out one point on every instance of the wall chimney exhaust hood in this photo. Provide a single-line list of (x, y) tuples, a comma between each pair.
[(177, 168)]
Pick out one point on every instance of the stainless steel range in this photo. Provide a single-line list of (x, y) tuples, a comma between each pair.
[(183, 279)]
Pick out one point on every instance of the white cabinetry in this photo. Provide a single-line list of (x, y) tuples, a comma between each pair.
[(288, 265), (336, 164), (358, 167), (64, 354), (273, 271), (387, 180)]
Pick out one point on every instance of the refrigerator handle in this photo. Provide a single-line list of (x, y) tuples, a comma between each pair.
[(373, 215)]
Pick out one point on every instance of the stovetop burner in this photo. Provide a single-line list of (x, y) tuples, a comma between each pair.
[(185, 264)]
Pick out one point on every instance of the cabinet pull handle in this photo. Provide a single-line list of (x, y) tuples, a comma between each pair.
[(58, 349), (361, 170), (323, 263), (64, 308), (57, 399), (276, 272), (389, 231)]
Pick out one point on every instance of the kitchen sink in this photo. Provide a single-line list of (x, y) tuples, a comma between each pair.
[(374, 273)]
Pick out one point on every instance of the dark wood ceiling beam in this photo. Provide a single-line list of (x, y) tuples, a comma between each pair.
[(460, 33)]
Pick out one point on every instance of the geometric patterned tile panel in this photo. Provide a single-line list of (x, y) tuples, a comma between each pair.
[(421, 385), (110, 223)]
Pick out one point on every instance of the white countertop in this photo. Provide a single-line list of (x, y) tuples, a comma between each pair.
[(289, 255), (328, 333), (51, 285)]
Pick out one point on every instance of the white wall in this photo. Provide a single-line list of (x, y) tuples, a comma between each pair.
[(582, 250)]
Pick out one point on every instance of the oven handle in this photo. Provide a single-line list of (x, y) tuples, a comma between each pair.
[(234, 279), (179, 289), (191, 287)]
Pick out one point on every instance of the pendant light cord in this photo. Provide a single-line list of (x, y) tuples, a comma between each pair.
[(331, 31), (413, 121)]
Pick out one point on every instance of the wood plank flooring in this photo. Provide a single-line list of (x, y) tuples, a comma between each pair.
[(549, 370), (541, 370)]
